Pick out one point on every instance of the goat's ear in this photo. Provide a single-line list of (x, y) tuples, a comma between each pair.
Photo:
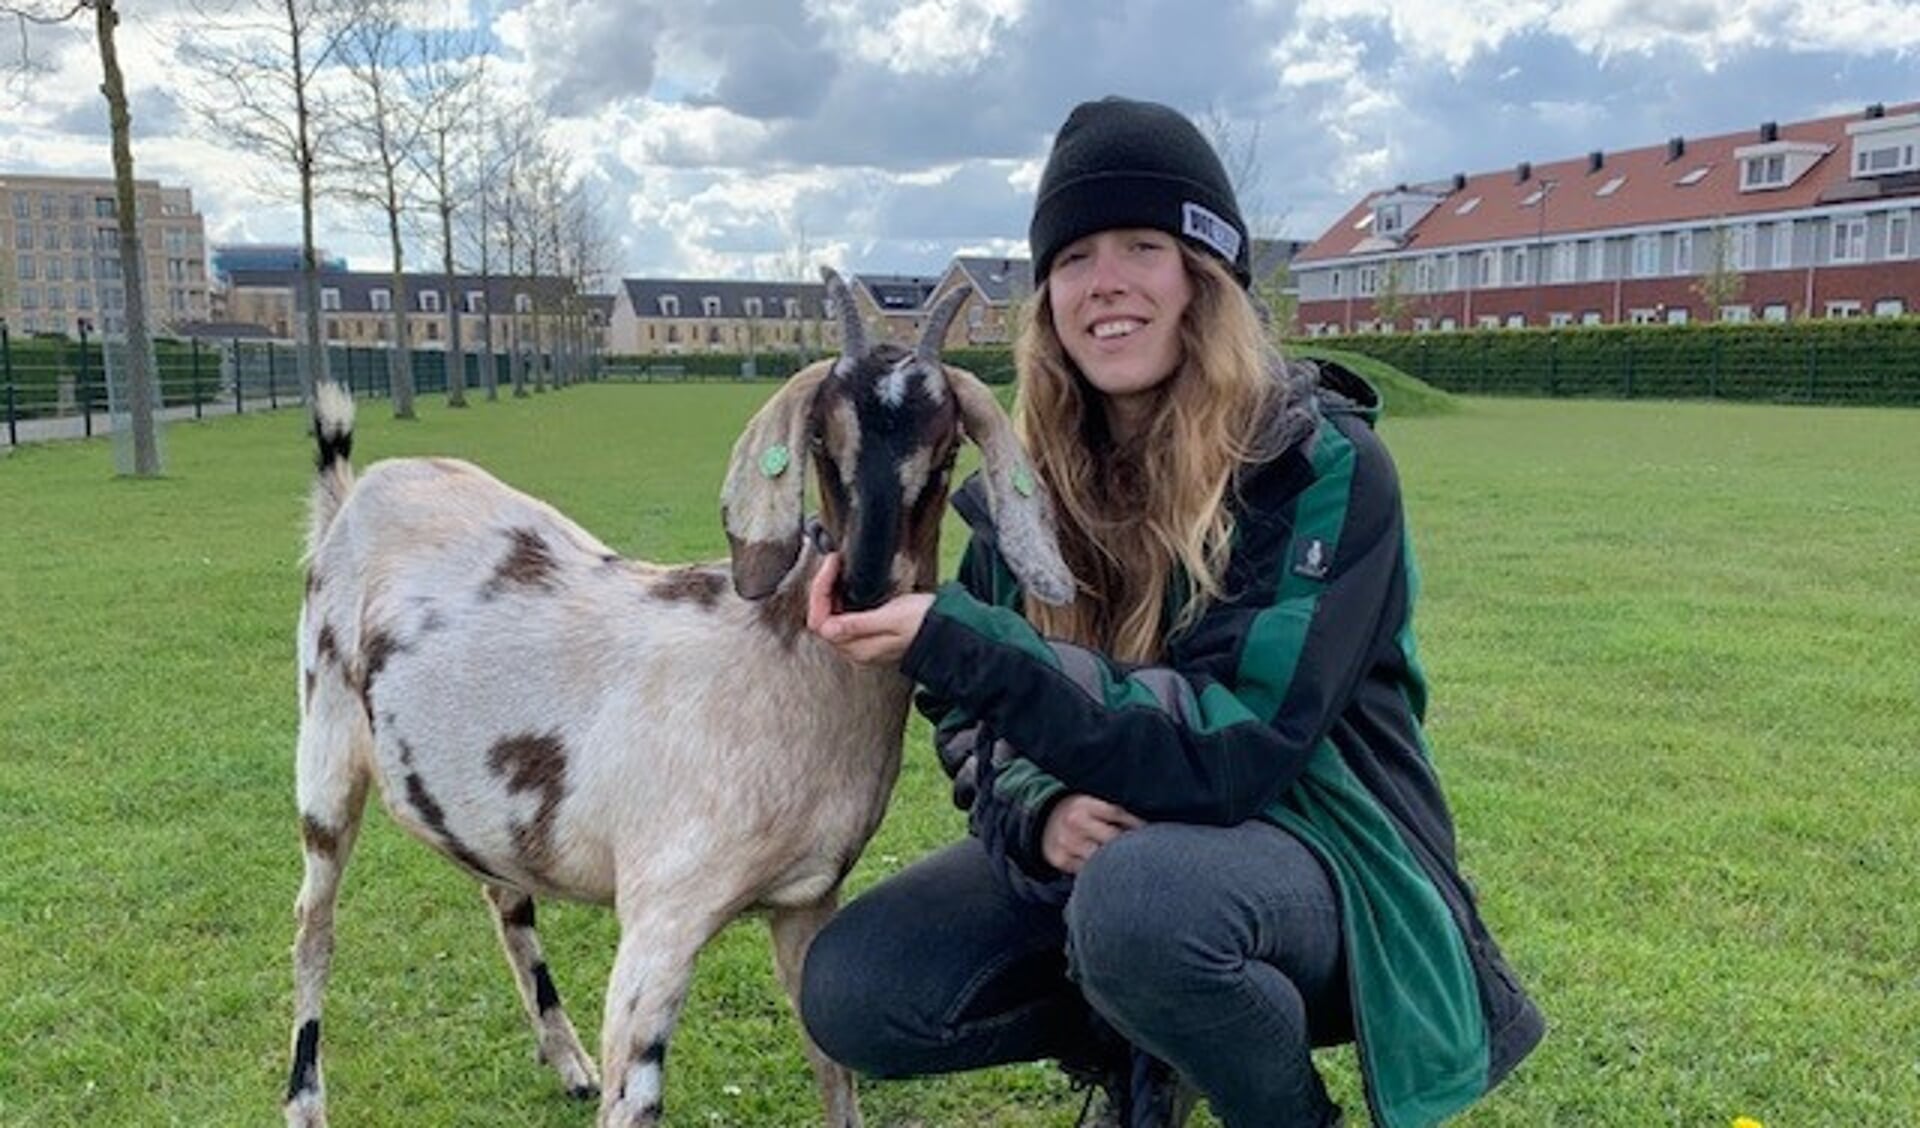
[(766, 486), (1022, 510)]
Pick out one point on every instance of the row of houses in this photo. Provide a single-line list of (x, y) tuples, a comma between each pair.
[(1806, 219)]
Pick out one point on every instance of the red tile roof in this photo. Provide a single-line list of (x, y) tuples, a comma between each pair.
[(1650, 194)]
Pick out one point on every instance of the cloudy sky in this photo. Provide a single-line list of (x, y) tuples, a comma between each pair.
[(889, 135)]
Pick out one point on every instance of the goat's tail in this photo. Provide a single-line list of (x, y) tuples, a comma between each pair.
[(333, 460)]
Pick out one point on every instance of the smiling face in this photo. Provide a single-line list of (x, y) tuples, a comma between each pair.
[(1117, 298)]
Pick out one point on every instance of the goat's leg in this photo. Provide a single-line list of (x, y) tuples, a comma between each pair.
[(793, 932), (331, 791), (651, 972), (559, 1046)]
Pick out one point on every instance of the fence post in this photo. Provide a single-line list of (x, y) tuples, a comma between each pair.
[(1553, 363), (273, 400), (1626, 390), (1713, 374), (86, 394), (195, 351), (6, 369), (1811, 391), (239, 377)]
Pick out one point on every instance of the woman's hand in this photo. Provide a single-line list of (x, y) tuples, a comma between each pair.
[(879, 637), (1078, 825)]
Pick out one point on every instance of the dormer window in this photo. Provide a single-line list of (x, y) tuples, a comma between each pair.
[(753, 307), (429, 301), (710, 306), (1883, 160), (1885, 146), (1386, 220), (381, 300), (523, 303), (1764, 172), (793, 309), (330, 299), (669, 305)]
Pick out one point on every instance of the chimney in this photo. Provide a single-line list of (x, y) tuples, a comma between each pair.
[(1769, 131), (1522, 172), (1676, 148), (1459, 181), (1877, 110), (1595, 159)]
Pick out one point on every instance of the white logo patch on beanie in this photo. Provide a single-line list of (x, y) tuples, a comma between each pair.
[(1199, 223)]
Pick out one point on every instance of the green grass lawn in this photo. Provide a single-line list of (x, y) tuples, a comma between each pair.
[(1673, 649)]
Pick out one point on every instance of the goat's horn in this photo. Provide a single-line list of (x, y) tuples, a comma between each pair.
[(935, 334), (853, 332)]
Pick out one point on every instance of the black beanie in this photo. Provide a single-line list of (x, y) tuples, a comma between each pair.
[(1122, 163)]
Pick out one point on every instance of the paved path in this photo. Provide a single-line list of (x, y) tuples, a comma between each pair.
[(75, 426)]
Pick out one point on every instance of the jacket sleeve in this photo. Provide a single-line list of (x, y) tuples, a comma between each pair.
[(1224, 727), (1007, 798)]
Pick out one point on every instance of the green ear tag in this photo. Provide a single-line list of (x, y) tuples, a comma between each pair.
[(1022, 482), (773, 463)]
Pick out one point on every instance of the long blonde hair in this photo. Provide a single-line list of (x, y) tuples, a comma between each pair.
[(1146, 522)]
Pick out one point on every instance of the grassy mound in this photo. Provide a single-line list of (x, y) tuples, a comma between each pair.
[(1402, 395)]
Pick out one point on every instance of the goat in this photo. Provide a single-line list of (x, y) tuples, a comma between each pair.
[(682, 752)]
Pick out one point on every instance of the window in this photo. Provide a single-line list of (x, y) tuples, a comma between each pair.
[(1467, 208), (1843, 310), (1423, 276), (1336, 283), (57, 298), (1590, 317), (24, 268), (1453, 272), (22, 238), (1882, 160), (1744, 241), (1448, 325), (22, 207), (1610, 187), (1782, 250), (1696, 176), (1386, 220), (333, 330), (1643, 317), (710, 307), (1646, 256), (1736, 313), (1889, 307), (330, 298), (1566, 258), (1516, 321), (1764, 172), (1683, 252), (83, 298), (1487, 321), (753, 307), (104, 207), (1367, 281), (1677, 315), (1596, 260), (793, 308), (380, 300), (429, 301), (82, 269), (1489, 269), (56, 268), (1519, 275), (476, 301), (1559, 320), (433, 330), (1850, 239), (29, 297), (1899, 234), (1422, 324), (669, 305), (523, 303)]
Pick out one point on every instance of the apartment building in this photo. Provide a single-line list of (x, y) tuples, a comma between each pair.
[(357, 308), (60, 261)]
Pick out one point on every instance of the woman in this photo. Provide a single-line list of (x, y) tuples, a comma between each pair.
[(1206, 832)]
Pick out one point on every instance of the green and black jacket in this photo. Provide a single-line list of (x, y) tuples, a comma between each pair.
[(1297, 698)]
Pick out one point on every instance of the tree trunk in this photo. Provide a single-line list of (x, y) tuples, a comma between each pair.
[(490, 377), (311, 356), (139, 349), (456, 360), (400, 357)]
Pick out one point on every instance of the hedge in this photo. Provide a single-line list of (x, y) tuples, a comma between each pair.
[(1873, 361)]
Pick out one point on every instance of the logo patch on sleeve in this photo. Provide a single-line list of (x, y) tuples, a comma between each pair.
[(1314, 561), (1199, 223)]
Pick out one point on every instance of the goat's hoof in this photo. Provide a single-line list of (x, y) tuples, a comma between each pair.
[(584, 1092)]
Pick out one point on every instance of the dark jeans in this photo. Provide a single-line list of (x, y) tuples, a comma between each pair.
[(1215, 949)]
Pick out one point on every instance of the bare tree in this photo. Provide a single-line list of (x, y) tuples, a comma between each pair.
[(501, 139), (444, 88), (1391, 302), (259, 63), (1720, 283), (379, 131), (141, 392)]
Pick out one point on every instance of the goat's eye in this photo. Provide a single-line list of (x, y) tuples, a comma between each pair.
[(817, 442)]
